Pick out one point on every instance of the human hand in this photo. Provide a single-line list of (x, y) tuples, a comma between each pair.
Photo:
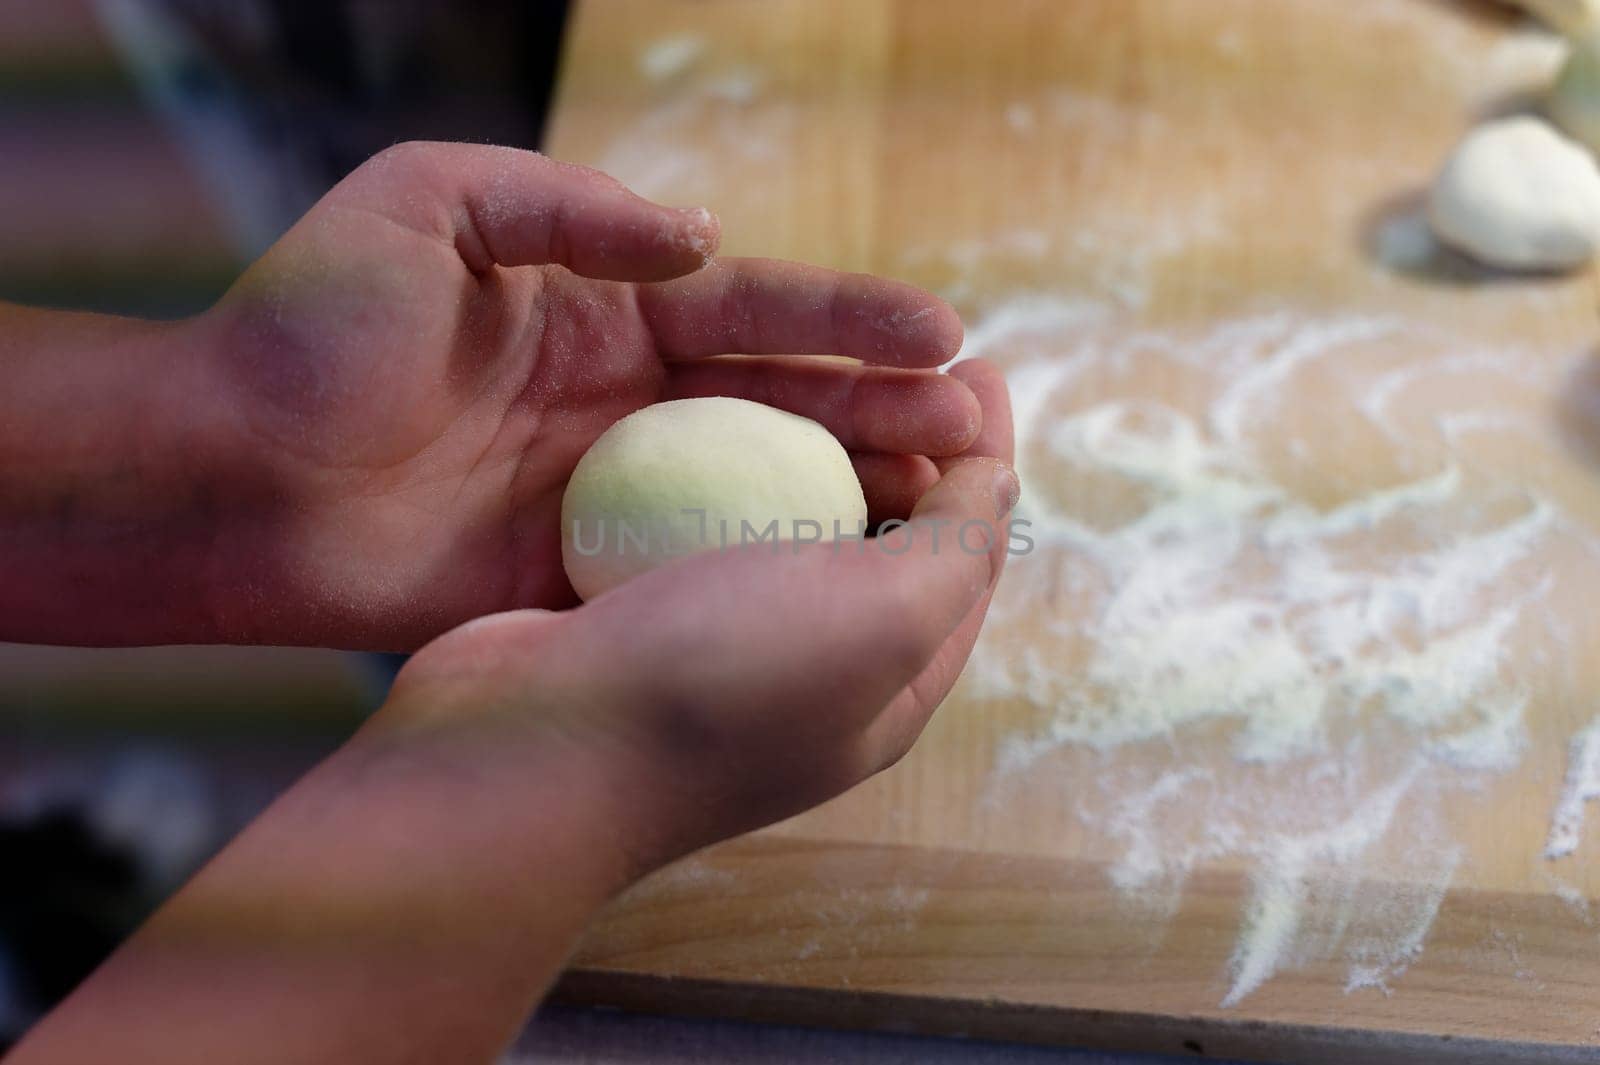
[(733, 688), (419, 375), (415, 894)]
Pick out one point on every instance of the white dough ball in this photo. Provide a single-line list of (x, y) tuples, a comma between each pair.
[(1574, 100), (636, 497), (1517, 194), (1567, 16)]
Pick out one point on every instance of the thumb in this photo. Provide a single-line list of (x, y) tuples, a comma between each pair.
[(970, 502)]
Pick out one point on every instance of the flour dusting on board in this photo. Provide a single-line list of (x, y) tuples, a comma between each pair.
[(713, 131), (1288, 585), (1340, 589), (1582, 786), (669, 57)]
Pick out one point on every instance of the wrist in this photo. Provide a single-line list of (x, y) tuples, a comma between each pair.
[(546, 797), (115, 480)]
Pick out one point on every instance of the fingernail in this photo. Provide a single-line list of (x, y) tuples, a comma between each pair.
[(1007, 490), (702, 232)]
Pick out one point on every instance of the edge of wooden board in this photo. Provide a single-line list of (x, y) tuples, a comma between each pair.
[(883, 1012), (1032, 949)]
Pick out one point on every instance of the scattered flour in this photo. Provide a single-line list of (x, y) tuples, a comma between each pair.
[(1121, 254), (1404, 912), (1226, 595), (1195, 573), (1358, 648), (1582, 785), (1571, 895), (1283, 880), (670, 56), (1020, 117), (1117, 251), (711, 134)]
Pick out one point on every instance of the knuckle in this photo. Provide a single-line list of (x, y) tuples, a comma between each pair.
[(894, 752), (401, 154), (559, 245), (396, 151), (898, 742), (840, 308), (576, 170), (736, 308)]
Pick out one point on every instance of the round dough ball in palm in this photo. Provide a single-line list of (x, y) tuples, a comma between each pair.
[(697, 474), (1517, 194)]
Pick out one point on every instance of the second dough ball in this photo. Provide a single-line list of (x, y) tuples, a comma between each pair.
[(1517, 194), (697, 474), (1571, 17)]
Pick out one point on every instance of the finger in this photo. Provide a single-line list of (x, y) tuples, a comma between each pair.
[(892, 484), (770, 307), (890, 737), (892, 734), (957, 496), (995, 438), (848, 625), (508, 207), (867, 408), (474, 651), (958, 568)]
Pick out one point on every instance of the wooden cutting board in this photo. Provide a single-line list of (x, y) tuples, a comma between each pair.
[(1263, 746)]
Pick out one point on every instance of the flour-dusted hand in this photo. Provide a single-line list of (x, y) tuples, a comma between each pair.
[(430, 351), (739, 686), (365, 442), (412, 897)]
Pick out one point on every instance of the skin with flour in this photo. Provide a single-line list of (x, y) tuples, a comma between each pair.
[(364, 444)]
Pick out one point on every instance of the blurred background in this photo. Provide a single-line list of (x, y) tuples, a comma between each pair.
[(149, 149)]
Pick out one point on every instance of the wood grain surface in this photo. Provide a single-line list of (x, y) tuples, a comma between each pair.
[(1126, 185)]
